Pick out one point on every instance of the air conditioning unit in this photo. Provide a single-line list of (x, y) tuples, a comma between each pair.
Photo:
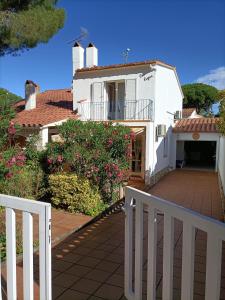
[(161, 130), (178, 115)]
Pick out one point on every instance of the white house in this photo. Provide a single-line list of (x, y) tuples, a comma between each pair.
[(146, 96)]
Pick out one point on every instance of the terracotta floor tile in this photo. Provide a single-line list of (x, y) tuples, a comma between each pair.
[(117, 280), (86, 286), (98, 275), (88, 261), (107, 266), (65, 280), (56, 291), (78, 270), (73, 295), (109, 292)]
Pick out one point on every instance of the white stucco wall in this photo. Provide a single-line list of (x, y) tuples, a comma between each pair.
[(221, 161), (159, 84), (168, 99), (82, 83)]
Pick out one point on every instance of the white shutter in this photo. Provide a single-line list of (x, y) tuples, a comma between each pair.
[(97, 92), (131, 89)]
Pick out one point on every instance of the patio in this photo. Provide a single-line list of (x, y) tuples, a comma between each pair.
[(89, 264)]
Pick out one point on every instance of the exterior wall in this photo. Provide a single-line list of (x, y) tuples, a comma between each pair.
[(221, 162), (159, 84), (168, 100), (82, 83)]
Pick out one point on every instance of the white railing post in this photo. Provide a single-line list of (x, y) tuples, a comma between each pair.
[(11, 253), (27, 207), (187, 261), (128, 263), (168, 247), (152, 250), (213, 267), (28, 275), (138, 249), (45, 253)]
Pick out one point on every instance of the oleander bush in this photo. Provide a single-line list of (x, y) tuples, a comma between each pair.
[(99, 152), (75, 194)]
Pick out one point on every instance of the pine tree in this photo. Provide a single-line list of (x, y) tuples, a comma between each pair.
[(26, 23)]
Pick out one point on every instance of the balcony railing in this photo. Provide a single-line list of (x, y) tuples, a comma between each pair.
[(119, 110)]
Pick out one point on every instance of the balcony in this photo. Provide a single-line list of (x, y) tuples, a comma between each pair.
[(141, 109)]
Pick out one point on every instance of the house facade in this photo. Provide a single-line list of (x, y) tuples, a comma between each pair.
[(145, 96)]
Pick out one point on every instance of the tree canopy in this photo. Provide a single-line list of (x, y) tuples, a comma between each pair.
[(25, 24), (222, 111), (201, 96)]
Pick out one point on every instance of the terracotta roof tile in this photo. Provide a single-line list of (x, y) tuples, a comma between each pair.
[(196, 125), (131, 64), (186, 112), (52, 106)]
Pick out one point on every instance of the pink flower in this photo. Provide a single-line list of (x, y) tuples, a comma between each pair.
[(60, 158), (110, 142), (126, 136), (132, 135), (9, 175), (49, 161)]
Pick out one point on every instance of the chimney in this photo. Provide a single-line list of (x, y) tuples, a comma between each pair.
[(78, 57), (31, 91), (91, 56)]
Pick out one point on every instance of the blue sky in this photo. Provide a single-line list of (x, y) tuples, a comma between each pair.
[(187, 34)]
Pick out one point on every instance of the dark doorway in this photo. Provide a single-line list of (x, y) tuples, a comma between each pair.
[(200, 154)]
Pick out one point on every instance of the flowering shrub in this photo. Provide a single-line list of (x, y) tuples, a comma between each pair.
[(98, 151), (75, 194)]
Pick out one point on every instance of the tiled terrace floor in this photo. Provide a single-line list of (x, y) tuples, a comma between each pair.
[(89, 264)]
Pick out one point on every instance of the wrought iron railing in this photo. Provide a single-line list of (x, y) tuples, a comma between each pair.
[(141, 109)]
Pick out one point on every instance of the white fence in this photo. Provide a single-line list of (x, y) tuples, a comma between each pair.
[(28, 208), (134, 241), (221, 161)]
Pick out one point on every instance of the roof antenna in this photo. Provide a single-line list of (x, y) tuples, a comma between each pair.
[(82, 36), (125, 55)]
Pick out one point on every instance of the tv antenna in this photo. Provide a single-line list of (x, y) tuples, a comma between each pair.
[(82, 36), (125, 54)]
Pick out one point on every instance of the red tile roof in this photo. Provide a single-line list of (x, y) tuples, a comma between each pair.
[(196, 125), (52, 106), (186, 112), (132, 64)]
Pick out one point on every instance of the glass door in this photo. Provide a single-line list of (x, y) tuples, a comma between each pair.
[(138, 154)]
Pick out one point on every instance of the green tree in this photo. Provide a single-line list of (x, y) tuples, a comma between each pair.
[(222, 111), (6, 114), (201, 96), (25, 24)]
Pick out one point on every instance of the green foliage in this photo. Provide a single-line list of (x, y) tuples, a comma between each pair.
[(25, 182), (201, 96), (6, 114), (75, 194), (222, 117), (97, 151), (24, 24)]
